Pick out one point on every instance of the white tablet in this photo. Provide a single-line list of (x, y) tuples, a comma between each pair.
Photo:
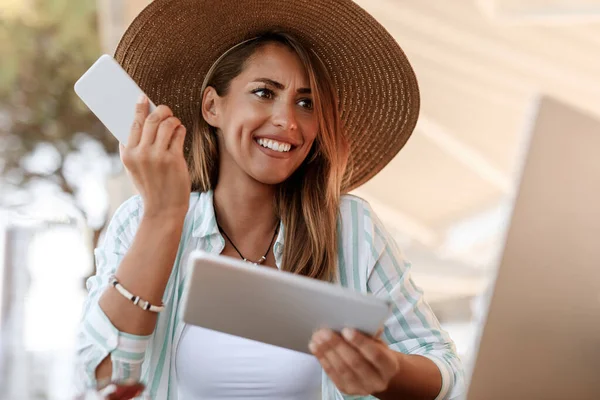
[(272, 306)]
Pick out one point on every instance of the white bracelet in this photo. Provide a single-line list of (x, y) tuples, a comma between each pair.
[(143, 304)]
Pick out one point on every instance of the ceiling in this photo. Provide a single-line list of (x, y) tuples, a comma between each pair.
[(480, 64)]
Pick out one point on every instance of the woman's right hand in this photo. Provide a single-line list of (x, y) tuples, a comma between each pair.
[(154, 158)]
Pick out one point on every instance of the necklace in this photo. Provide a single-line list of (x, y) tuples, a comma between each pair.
[(263, 258)]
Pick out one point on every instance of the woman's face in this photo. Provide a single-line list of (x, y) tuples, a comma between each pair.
[(266, 120)]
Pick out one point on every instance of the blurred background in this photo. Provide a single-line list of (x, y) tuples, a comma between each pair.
[(446, 198)]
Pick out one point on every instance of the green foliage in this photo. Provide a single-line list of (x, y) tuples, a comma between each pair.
[(42, 54)]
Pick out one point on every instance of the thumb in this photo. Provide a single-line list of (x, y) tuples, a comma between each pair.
[(178, 140), (121, 152), (378, 334)]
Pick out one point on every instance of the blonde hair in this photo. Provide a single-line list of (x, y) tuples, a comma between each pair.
[(308, 201)]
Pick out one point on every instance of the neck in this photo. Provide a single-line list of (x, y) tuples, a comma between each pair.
[(245, 207)]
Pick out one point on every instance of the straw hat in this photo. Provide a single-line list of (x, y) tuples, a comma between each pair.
[(171, 45)]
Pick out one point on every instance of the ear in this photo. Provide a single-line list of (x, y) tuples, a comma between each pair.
[(210, 105)]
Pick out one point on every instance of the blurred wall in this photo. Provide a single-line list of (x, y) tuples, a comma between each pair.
[(114, 17)]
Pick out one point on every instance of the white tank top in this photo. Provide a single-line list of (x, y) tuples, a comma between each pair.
[(213, 365)]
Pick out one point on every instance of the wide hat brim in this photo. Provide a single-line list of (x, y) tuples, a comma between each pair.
[(171, 45)]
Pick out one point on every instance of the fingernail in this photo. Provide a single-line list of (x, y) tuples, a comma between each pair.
[(312, 347), (142, 99), (348, 333), (326, 334), (110, 389), (316, 338)]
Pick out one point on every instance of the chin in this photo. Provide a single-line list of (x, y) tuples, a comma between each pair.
[(270, 178)]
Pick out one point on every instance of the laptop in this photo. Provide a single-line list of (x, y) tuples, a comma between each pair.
[(541, 338)]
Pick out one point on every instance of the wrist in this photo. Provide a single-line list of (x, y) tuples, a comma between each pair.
[(165, 219), (390, 392), (401, 360)]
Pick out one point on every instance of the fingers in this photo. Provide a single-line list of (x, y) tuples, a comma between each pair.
[(159, 127), (141, 113), (345, 365), (166, 131), (178, 140), (343, 377), (122, 151), (152, 123), (373, 350), (126, 392)]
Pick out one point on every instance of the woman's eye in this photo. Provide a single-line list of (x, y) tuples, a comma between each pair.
[(306, 103), (264, 93)]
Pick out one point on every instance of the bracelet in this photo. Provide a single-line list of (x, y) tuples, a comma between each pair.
[(143, 304)]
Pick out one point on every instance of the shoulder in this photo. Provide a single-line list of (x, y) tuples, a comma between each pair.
[(356, 213), (127, 213), (124, 221), (351, 205), (130, 207), (364, 244), (361, 226), (367, 246)]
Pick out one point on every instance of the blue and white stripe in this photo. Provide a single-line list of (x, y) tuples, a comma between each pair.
[(368, 261)]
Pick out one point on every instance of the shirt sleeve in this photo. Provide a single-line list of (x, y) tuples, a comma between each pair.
[(412, 327), (97, 336)]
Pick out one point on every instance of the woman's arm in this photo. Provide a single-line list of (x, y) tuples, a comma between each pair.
[(428, 355), (144, 271), (362, 365), (114, 334), (112, 341), (414, 358), (417, 378)]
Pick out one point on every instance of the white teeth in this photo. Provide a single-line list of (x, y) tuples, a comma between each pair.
[(274, 145)]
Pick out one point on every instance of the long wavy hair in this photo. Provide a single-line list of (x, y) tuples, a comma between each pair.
[(308, 201)]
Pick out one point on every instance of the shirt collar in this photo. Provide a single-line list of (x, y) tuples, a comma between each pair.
[(205, 223), (278, 246)]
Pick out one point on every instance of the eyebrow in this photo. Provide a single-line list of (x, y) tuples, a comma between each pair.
[(280, 86)]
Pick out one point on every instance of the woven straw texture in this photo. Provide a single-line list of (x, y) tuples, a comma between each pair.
[(170, 46)]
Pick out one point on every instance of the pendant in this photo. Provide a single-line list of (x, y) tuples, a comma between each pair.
[(262, 260)]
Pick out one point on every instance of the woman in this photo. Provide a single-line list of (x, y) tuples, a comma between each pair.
[(276, 109)]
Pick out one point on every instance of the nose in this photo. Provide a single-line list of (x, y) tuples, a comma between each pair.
[(284, 117)]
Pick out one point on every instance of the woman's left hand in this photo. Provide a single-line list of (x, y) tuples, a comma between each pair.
[(357, 364)]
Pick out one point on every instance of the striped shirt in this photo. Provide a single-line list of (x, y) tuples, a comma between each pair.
[(368, 262)]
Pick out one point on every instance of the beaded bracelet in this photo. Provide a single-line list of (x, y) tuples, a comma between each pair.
[(143, 304)]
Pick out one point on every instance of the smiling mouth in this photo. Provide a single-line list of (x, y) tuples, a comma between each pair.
[(274, 145)]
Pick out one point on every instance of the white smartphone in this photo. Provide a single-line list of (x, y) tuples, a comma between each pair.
[(111, 94)]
